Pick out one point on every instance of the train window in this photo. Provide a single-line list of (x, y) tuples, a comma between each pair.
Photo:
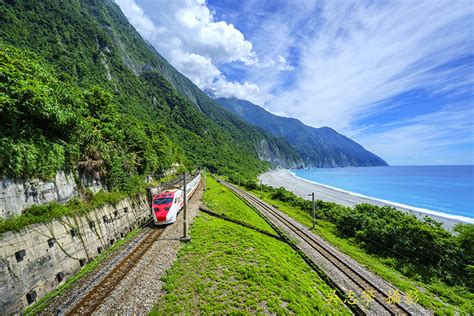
[(176, 200), (162, 201)]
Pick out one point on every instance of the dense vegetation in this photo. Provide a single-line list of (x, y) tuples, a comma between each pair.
[(79, 88), (231, 269), (417, 256), (48, 125), (426, 249), (431, 292)]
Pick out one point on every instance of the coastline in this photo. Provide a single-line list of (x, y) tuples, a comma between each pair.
[(302, 187)]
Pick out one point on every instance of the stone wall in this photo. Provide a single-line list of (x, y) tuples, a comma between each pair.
[(41, 257)]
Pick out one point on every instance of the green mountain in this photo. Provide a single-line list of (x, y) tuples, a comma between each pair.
[(80, 88), (318, 147)]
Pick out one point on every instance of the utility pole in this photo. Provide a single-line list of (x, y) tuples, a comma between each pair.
[(204, 178), (313, 214), (239, 179), (185, 212), (261, 194)]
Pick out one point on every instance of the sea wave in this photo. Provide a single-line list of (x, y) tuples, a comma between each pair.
[(396, 204)]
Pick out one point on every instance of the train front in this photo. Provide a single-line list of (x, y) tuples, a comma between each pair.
[(162, 206)]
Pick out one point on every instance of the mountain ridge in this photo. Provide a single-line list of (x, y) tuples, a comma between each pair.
[(318, 147), (268, 147), (96, 58)]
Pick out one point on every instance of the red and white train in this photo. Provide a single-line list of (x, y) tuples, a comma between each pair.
[(166, 205)]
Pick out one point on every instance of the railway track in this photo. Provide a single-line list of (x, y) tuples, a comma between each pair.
[(378, 299), (89, 303), (93, 299)]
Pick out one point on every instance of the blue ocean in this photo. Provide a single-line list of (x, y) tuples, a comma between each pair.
[(445, 189)]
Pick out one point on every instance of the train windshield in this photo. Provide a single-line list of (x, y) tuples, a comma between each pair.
[(162, 201)]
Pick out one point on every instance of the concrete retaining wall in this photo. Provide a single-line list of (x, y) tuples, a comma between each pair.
[(41, 257)]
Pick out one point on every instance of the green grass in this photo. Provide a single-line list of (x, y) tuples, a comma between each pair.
[(222, 201), (86, 270), (231, 269), (442, 299), (44, 213)]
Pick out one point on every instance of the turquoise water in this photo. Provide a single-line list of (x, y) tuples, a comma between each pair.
[(446, 189)]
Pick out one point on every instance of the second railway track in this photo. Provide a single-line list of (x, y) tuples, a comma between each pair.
[(380, 302)]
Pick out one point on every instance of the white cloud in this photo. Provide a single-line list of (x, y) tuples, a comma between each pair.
[(199, 69), (365, 53), (279, 63), (330, 63), (275, 34), (356, 58), (245, 91), (187, 34), (442, 137)]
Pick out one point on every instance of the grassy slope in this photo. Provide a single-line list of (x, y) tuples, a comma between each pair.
[(228, 268), (438, 297)]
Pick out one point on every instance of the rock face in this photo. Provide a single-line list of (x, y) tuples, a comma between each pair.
[(18, 194), (318, 147), (41, 257), (272, 153)]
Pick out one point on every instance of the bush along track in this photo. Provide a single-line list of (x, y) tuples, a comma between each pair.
[(229, 267), (363, 233), (361, 290)]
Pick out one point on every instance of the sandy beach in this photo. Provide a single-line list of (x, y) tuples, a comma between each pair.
[(302, 188)]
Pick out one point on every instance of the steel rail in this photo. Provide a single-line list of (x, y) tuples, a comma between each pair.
[(355, 276), (89, 303)]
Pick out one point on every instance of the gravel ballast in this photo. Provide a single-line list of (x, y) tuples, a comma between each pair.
[(140, 289)]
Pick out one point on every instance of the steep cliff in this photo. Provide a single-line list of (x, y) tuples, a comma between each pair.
[(318, 147), (84, 90)]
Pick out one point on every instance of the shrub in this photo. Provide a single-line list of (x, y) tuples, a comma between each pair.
[(423, 246), (251, 185), (47, 125)]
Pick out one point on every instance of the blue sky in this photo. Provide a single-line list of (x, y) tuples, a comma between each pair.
[(396, 76)]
